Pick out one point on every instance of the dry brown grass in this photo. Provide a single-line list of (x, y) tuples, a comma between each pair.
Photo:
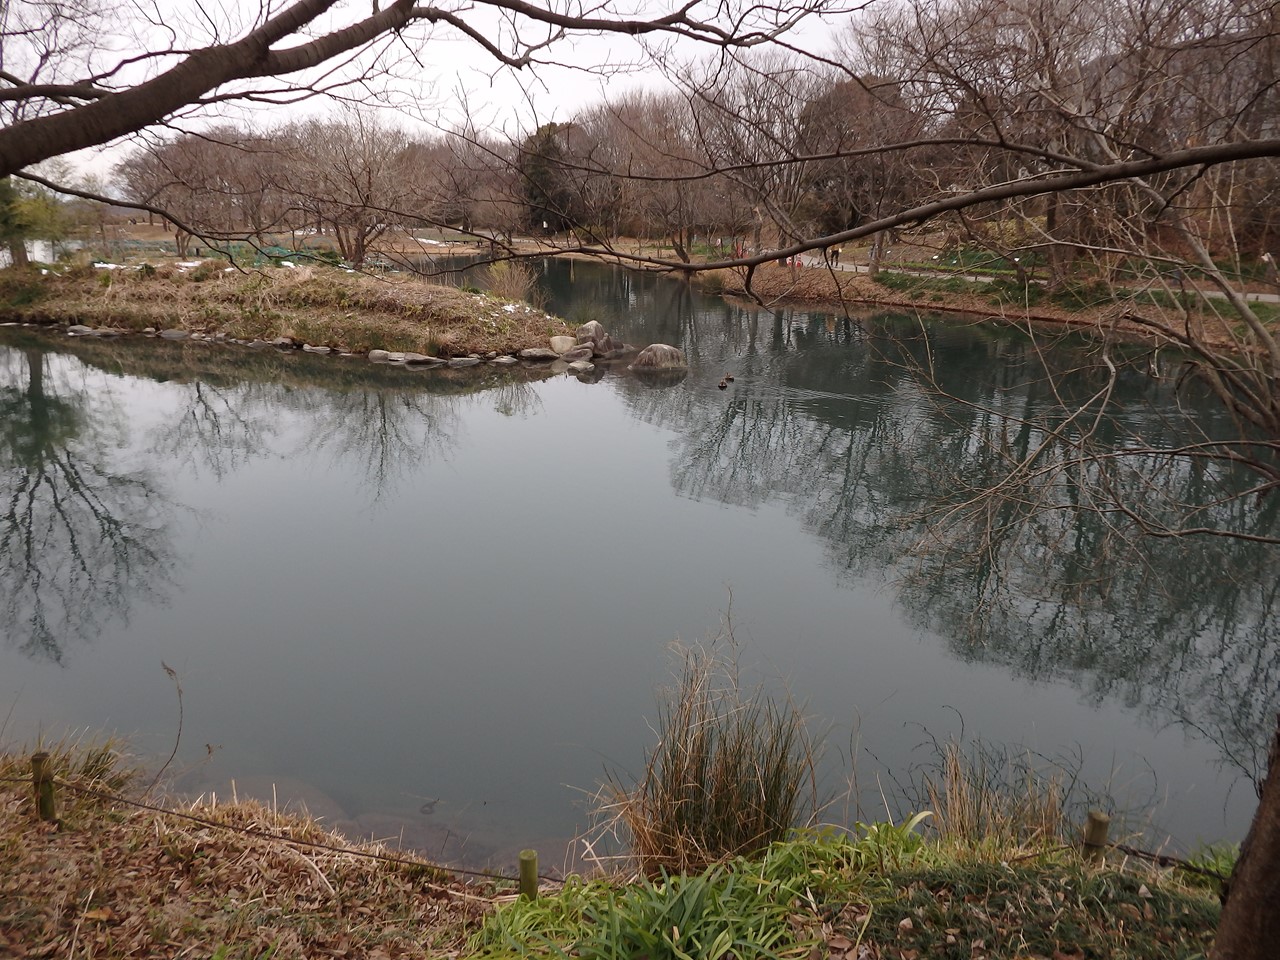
[(732, 772), (115, 880), (314, 304), (1004, 800), (512, 280)]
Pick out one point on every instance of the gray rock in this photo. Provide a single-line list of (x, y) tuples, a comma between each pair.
[(148, 329), (282, 342), (411, 357), (563, 345), (620, 354), (464, 361), (313, 349), (79, 330), (583, 352), (174, 334), (659, 356), (395, 356), (258, 344), (379, 356), (504, 361), (590, 332), (538, 353), (581, 366)]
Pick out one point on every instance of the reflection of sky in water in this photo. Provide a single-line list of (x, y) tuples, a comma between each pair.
[(384, 598)]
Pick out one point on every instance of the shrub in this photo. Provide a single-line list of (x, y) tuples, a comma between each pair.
[(206, 271), (731, 772), (512, 280)]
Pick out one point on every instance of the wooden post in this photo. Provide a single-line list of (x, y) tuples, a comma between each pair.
[(1095, 836), (42, 782), (529, 874)]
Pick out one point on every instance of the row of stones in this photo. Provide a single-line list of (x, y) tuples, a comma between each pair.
[(576, 351)]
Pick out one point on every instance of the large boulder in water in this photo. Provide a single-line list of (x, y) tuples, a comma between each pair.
[(658, 356), (593, 332), (590, 332)]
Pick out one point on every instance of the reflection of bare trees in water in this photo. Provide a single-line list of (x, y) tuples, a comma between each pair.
[(1041, 554), (388, 433), (80, 539), (516, 398), (219, 427), (886, 456)]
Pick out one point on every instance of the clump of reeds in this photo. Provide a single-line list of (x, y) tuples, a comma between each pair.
[(96, 763), (984, 794), (732, 772), (513, 280)]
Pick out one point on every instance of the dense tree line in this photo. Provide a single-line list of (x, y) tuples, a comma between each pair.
[(926, 108)]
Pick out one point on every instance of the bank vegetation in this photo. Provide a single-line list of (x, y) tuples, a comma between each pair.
[(318, 304)]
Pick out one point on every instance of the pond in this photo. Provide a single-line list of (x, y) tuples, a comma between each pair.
[(437, 607)]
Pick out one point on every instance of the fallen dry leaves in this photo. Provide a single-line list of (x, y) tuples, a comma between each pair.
[(121, 882)]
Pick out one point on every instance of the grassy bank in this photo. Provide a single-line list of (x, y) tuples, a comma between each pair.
[(239, 880), (1091, 307), (320, 305)]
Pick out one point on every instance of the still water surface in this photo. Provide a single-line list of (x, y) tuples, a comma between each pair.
[(437, 607)]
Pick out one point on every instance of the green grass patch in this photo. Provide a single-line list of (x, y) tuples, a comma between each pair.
[(881, 891), (21, 288), (1082, 296)]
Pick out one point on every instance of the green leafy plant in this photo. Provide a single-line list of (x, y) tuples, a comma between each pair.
[(889, 845), (1210, 865)]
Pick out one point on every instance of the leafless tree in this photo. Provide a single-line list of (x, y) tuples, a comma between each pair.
[(351, 176), (66, 87), (223, 183)]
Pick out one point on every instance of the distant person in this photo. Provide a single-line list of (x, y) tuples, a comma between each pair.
[(1269, 271), (835, 256)]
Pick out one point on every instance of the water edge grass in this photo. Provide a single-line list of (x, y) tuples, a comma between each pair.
[(198, 879), (732, 772)]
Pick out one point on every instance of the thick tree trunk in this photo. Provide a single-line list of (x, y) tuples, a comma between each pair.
[(195, 74), (1250, 924), (18, 253)]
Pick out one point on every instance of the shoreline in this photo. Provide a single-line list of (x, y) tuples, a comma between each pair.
[(325, 309), (119, 873), (835, 291)]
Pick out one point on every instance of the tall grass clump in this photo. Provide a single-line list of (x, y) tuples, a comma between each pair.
[(512, 280), (985, 795), (732, 772)]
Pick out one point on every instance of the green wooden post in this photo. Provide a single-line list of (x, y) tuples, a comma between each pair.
[(529, 874), (1095, 836), (42, 783)]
